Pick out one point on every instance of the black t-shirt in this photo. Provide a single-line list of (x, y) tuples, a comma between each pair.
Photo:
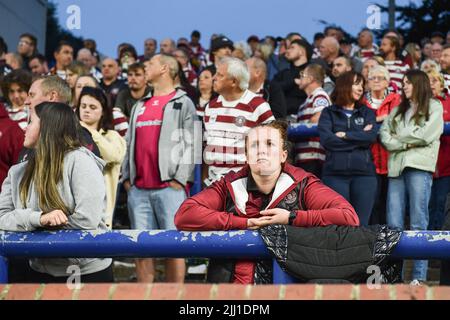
[(125, 102), (113, 89)]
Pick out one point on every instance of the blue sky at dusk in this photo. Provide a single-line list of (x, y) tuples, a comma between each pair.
[(115, 21)]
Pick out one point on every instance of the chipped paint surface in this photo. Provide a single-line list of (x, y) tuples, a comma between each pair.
[(431, 236), (226, 234)]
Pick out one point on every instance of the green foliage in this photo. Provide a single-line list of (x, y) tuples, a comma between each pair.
[(416, 22)]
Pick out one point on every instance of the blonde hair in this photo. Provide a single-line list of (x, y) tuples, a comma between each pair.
[(434, 74)]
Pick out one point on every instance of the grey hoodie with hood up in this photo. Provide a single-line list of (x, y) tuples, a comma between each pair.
[(83, 191)]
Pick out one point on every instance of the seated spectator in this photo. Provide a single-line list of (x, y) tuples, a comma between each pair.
[(411, 135), (15, 88), (257, 196), (96, 115), (382, 102), (51, 191), (347, 130), (309, 154), (11, 143), (441, 181)]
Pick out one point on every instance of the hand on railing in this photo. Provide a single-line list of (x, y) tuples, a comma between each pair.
[(56, 218)]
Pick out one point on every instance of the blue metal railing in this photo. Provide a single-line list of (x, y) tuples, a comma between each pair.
[(176, 244), (297, 131)]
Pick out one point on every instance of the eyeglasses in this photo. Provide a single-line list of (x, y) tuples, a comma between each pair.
[(377, 78), (22, 42)]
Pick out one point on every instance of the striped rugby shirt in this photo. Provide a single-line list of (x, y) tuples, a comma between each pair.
[(364, 54), (226, 125), (310, 149), (447, 83), (397, 70), (18, 116), (120, 122)]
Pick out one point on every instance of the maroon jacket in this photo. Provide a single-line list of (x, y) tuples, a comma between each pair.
[(443, 163), (11, 143), (223, 206)]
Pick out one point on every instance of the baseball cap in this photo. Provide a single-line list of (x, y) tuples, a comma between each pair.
[(221, 42)]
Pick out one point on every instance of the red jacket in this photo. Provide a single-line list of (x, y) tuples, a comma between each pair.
[(443, 163), (207, 211), (11, 143), (380, 154)]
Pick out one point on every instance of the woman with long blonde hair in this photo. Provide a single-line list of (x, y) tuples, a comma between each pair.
[(60, 186)]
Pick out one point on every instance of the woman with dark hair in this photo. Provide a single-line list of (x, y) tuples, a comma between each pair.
[(15, 88), (411, 135), (205, 89), (182, 83), (347, 130), (51, 191), (96, 116)]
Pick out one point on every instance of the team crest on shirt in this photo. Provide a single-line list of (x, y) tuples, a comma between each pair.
[(321, 102), (291, 197), (240, 121), (359, 121)]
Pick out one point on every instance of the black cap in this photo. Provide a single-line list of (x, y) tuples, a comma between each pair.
[(195, 33), (305, 44), (221, 42)]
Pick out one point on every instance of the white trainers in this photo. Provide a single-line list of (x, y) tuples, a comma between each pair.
[(200, 269), (416, 282)]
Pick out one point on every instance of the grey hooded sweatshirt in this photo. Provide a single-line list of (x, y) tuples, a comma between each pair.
[(83, 191)]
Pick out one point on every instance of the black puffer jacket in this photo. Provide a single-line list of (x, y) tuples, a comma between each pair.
[(334, 253)]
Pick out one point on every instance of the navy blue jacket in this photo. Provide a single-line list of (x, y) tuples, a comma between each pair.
[(350, 155)]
